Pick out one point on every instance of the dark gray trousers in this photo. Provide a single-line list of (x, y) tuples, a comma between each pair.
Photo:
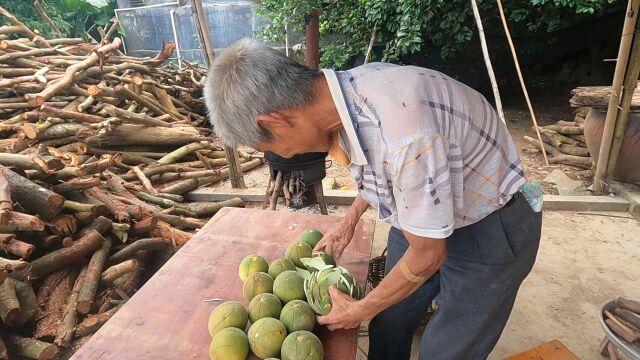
[(475, 289)]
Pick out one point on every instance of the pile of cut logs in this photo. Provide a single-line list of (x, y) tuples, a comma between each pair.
[(564, 142), (97, 150)]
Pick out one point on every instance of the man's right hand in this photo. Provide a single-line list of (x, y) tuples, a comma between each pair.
[(337, 239)]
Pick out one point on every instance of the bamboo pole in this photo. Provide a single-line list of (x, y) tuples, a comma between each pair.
[(487, 61), (236, 177), (524, 86), (626, 40)]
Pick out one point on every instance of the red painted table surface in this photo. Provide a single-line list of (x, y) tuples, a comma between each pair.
[(167, 318)]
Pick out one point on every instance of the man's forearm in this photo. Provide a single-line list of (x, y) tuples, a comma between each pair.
[(355, 211), (422, 260)]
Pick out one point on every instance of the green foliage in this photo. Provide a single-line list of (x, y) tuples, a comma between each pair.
[(71, 17), (403, 26)]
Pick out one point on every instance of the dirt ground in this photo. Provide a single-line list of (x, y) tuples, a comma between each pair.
[(584, 261)]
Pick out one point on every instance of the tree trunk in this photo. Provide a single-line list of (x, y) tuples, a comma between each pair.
[(64, 335), (9, 304), (126, 134), (210, 208), (76, 185), (52, 296), (29, 307), (34, 198), (115, 271), (597, 96), (31, 162), (30, 348), (21, 222)]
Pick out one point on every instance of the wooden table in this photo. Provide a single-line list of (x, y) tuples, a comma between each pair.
[(167, 318)]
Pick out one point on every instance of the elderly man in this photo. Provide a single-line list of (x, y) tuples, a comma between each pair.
[(431, 156)]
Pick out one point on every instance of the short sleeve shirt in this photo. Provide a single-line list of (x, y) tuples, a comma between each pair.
[(428, 152)]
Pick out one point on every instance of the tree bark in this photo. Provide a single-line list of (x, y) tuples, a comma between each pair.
[(18, 248), (597, 96), (5, 200), (88, 289), (127, 134), (180, 221), (12, 265), (119, 209), (34, 198), (183, 151), (31, 162), (76, 185), (63, 130), (134, 118), (144, 180), (143, 226), (565, 130), (177, 237), (21, 222), (67, 114)]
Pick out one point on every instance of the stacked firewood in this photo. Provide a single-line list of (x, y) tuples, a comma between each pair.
[(564, 142), (97, 150)]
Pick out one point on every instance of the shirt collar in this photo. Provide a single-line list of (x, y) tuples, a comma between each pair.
[(348, 137)]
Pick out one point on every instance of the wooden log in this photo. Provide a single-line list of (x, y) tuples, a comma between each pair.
[(553, 138), (100, 224), (65, 331), (52, 296), (176, 236), (165, 203), (574, 150), (30, 348), (192, 184), (62, 257), (597, 96), (9, 304), (21, 222), (18, 248), (210, 208), (628, 305), (92, 323), (61, 131), (134, 118), (127, 134), (622, 331), (68, 114), (80, 208), (173, 176), (115, 271), (180, 221), (144, 180), (32, 162), (77, 184), (86, 169), (34, 198), (63, 225), (5, 200), (130, 251), (12, 265), (116, 207), (179, 153), (12, 145), (559, 158), (70, 74), (88, 289), (143, 226), (29, 307), (628, 316), (565, 130)]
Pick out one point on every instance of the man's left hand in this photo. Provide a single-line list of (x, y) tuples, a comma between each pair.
[(346, 312)]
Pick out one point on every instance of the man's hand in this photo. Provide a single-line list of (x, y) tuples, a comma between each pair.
[(346, 312), (334, 242)]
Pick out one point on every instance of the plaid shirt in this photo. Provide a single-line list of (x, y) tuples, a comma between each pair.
[(427, 151)]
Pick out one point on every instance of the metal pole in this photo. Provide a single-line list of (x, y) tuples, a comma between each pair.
[(599, 184)]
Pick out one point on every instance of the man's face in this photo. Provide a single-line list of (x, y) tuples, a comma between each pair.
[(293, 134)]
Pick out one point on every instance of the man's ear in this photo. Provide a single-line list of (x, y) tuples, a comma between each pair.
[(273, 121)]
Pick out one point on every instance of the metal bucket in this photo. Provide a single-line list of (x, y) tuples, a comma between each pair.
[(632, 351)]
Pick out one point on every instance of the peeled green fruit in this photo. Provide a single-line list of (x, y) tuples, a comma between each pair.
[(289, 286), (257, 283), (280, 265), (311, 237), (297, 251), (298, 315), (252, 264), (302, 345), (264, 305), (226, 315), (317, 262), (317, 285), (266, 337), (229, 344)]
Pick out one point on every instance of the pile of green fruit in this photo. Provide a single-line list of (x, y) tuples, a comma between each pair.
[(284, 298)]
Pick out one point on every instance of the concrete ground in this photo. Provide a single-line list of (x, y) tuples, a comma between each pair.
[(585, 259)]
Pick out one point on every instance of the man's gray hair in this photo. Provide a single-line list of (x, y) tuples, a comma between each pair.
[(250, 79)]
